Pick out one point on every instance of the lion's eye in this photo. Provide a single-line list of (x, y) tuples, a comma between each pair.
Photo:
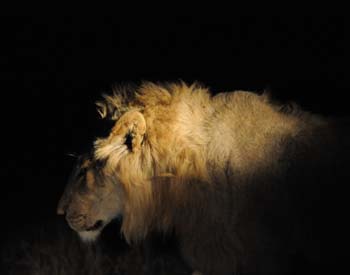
[(82, 172)]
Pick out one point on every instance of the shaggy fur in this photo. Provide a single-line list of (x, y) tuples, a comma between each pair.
[(237, 178)]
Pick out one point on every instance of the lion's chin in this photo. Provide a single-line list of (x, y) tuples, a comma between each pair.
[(89, 236)]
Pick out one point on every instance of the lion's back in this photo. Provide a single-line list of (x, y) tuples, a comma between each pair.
[(286, 173)]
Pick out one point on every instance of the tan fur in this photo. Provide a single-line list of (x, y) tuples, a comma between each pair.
[(215, 170)]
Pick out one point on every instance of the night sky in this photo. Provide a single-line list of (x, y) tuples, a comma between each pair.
[(52, 72)]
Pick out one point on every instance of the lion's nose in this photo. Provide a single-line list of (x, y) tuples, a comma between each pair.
[(60, 211)]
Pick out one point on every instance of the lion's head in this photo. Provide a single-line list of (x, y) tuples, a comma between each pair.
[(91, 200), (94, 195), (124, 173)]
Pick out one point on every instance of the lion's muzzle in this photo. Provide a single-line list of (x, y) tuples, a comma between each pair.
[(79, 222)]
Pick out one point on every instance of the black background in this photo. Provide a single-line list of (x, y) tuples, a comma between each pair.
[(52, 72)]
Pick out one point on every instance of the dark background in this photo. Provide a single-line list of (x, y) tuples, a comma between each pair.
[(52, 72)]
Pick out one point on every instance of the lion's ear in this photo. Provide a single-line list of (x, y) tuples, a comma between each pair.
[(126, 136), (131, 126)]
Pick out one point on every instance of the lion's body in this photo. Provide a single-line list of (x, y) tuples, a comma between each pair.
[(238, 180)]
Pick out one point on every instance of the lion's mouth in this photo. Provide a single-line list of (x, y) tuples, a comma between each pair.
[(98, 225)]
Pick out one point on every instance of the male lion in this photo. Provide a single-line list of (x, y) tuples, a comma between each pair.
[(235, 177)]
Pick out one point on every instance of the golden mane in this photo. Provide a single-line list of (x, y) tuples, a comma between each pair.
[(163, 157)]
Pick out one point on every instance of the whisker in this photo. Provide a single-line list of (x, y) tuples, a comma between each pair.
[(73, 155)]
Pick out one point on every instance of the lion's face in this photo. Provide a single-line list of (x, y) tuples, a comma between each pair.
[(91, 200)]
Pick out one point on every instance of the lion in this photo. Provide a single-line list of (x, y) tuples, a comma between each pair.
[(236, 177)]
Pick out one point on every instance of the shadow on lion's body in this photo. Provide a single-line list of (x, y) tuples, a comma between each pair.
[(244, 185)]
